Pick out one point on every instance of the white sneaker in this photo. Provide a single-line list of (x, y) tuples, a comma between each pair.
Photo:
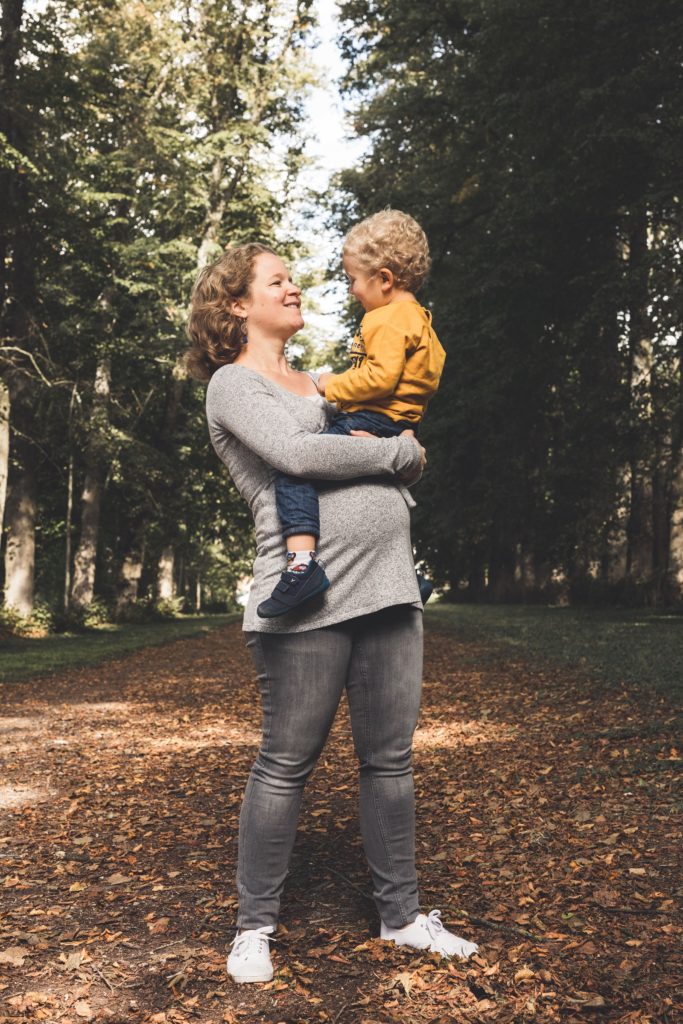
[(427, 932), (249, 958)]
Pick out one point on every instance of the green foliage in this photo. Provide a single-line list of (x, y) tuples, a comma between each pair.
[(80, 620), (154, 136), (40, 621), (169, 608)]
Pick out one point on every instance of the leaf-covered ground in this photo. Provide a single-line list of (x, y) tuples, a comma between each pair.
[(548, 831)]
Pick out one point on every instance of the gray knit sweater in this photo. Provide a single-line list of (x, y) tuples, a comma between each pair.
[(257, 427)]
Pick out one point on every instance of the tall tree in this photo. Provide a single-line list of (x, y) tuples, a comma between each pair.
[(538, 147)]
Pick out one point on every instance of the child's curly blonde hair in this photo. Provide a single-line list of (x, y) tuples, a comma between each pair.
[(394, 240)]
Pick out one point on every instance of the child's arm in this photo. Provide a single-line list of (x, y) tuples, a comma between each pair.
[(377, 376)]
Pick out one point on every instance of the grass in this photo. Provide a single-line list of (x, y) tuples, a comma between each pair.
[(26, 658), (634, 646)]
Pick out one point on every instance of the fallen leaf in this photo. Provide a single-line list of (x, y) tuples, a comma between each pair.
[(594, 1003), (159, 926), (82, 1009), (405, 980), (13, 955)]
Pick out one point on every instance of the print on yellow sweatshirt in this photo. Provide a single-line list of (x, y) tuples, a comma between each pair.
[(396, 364)]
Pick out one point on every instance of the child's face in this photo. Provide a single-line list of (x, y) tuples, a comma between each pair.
[(364, 286)]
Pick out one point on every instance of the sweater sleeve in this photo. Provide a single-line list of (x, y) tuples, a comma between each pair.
[(380, 372), (247, 407)]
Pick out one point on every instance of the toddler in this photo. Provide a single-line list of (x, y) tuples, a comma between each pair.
[(396, 365)]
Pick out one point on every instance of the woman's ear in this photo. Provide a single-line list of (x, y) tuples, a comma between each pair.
[(237, 308), (386, 279)]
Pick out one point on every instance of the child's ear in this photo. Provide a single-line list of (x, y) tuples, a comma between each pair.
[(387, 279)]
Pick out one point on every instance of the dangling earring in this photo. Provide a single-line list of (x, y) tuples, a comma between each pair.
[(243, 330)]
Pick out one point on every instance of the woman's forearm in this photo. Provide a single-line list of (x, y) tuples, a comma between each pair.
[(246, 406), (341, 457)]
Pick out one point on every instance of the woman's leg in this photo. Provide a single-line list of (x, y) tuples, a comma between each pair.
[(301, 678), (384, 687)]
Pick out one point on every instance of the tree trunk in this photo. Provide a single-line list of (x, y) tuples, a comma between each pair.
[(20, 553), (198, 594), (502, 558), (83, 583), (129, 575), (639, 532), (674, 590), (165, 591), (476, 583), (67, 532), (675, 574), (661, 520), (4, 448)]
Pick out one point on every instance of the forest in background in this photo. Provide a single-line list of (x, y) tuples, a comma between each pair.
[(140, 140), (540, 147)]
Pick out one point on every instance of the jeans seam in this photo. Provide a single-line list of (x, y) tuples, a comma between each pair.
[(376, 802), (265, 731)]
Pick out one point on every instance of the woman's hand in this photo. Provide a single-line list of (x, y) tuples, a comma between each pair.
[(405, 479), (413, 477)]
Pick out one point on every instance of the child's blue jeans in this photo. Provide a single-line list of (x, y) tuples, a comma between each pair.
[(297, 499)]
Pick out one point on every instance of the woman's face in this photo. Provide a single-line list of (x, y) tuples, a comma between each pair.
[(273, 306)]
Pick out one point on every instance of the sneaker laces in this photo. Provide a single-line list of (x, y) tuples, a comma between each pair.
[(251, 941), (433, 923)]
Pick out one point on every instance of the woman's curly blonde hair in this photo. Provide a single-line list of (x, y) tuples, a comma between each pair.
[(214, 331), (394, 240)]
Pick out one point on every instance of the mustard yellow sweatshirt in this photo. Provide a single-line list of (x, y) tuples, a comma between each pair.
[(396, 364)]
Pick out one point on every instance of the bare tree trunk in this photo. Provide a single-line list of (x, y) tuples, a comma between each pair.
[(67, 531), (4, 448), (675, 503), (83, 583), (165, 591), (501, 582), (129, 575), (20, 553), (618, 533), (639, 532), (198, 594), (182, 582), (675, 574), (476, 582), (662, 481)]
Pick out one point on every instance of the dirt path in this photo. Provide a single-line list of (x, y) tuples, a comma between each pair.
[(546, 811)]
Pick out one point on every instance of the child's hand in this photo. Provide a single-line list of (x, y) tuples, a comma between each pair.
[(322, 382)]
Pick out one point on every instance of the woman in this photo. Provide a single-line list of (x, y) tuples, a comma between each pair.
[(364, 634)]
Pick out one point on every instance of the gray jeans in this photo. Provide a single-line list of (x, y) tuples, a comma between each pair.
[(378, 658)]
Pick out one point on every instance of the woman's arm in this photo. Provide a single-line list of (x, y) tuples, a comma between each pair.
[(246, 406)]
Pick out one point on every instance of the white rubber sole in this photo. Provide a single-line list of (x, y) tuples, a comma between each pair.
[(247, 979)]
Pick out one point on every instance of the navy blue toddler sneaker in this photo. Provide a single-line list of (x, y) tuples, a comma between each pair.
[(294, 589), (425, 586)]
